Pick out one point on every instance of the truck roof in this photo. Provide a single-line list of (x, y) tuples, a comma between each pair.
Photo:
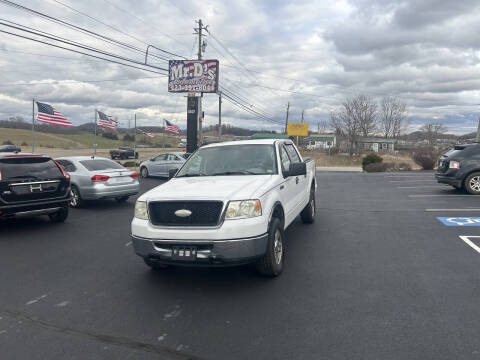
[(244, 142)]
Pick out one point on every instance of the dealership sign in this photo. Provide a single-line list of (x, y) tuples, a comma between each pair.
[(193, 76)]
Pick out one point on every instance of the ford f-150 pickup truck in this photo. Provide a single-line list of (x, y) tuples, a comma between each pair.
[(230, 203)]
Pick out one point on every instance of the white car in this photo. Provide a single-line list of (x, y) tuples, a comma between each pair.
[(229, 204)]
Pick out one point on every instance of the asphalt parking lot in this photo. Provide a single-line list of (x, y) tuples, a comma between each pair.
[(377, 276)]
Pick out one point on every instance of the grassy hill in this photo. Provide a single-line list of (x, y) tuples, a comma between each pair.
[(23, 138)]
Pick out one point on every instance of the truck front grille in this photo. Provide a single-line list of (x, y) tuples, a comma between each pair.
[(203, 213)]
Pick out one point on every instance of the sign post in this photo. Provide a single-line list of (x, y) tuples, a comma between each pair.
[(297, 129)]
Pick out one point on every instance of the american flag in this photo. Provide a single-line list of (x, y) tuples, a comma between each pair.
[(169, 127), (49, 115), (152, 135), (106, 121)]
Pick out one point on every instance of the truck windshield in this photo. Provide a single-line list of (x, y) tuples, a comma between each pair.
[(231, 160)]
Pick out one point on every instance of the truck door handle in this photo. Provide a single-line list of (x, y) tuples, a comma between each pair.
[(296, 179)]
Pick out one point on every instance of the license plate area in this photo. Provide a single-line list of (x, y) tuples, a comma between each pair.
[(185, 253)]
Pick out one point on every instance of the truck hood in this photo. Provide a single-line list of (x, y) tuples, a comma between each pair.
[(212, 188)]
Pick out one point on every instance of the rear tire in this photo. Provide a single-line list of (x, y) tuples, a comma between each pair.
[(472, 183), (122, 199), (155, 265), (144, 172), (271, 264), (308, 213), (76, 200), (59, 216)]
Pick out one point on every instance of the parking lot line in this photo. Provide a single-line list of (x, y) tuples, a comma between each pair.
[(397, 181), (447, 210), (470, 243), (440, 195), (418, 187)]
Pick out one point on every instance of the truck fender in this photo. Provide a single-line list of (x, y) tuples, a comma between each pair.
[(277, 209)]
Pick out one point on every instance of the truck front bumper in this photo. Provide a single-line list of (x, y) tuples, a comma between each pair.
[(208, 252)]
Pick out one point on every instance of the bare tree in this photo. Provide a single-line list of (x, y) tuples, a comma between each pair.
[(393, 117), (322, 126), (355, 117), (432, 131), (364, 109)]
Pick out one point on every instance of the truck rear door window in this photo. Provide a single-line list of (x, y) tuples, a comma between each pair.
[(38, 168)]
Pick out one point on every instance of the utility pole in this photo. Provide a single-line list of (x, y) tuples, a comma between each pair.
[(302, 115), (219, 116), (200, 112), (33, 125), (478, 131), (286, 118)]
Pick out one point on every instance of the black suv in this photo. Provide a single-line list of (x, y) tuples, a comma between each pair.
[(9, 148), (32, 184), (460, 167)]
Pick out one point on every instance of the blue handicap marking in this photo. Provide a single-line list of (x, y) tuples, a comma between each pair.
[(460, 221)]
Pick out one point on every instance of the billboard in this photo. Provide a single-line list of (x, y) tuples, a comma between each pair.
[(297, 129), (193, 76)]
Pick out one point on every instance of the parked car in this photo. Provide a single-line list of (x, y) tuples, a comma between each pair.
[(10, 148), (123, 153), (460, 167), (160, 165), (230, 203), (98, 178), (33, 184)]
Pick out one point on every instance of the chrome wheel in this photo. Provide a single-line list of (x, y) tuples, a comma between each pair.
[(144, 172), (74, 197), (475, 183), (312, 206), (278, 247)]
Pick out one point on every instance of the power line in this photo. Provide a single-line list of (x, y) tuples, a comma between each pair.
[(80, 52), (77, 44), (80, 81)]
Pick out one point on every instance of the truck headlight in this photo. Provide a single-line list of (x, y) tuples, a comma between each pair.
[(243, 209), (141, 210)]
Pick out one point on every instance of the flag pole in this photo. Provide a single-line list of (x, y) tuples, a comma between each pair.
[(135, 144), (95, 139), (33, 125), (163, 135)]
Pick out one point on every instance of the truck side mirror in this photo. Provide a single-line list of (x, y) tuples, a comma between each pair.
[(171, 173), (297, 169)]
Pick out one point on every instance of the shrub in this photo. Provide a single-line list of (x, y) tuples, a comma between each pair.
[(24, 144), (403, 166), (128, 138), (426, 158), (376, 167), (8, 142), (332, 151), (371, 159), (129, 164), (110, 135)]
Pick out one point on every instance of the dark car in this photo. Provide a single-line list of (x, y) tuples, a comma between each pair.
[(460, 167), (123, 153), (10, 148), (32, 184)]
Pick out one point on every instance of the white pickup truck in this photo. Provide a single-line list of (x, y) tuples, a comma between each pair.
[(228, 204)]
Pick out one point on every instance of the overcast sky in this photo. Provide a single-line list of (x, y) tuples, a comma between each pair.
[(312, 54)]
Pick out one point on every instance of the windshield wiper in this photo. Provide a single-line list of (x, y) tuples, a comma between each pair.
[(190, 175), (237, 172)]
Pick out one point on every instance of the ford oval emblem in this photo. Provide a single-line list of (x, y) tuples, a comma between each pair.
[(183, 213)]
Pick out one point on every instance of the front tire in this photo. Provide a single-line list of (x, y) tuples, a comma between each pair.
[(308, 213), (60, 216), (144, 172), (472, 183), (155, 265), (271, 264)]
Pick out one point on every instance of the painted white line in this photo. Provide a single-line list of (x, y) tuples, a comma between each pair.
[(128, 244), (420, 187), (446, 210), (440, 195), (470, 243), (397, 181)]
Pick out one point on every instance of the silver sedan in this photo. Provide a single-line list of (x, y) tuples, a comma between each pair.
[(160, 165), (98, 178)]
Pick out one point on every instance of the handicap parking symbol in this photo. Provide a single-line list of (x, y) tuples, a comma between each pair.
[(460, 221)]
